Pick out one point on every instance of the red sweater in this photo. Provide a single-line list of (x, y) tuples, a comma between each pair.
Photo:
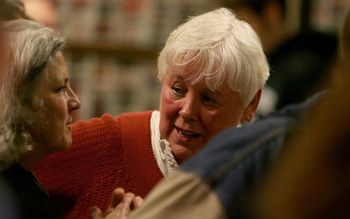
[(106, 153)]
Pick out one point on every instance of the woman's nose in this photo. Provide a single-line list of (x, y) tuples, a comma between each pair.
[(74, 102), (189, 109)]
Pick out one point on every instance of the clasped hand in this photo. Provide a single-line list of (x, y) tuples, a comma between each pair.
[(122, 203)]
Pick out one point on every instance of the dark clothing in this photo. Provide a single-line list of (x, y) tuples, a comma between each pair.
[(238, 159), (299, 64), (28, 198)]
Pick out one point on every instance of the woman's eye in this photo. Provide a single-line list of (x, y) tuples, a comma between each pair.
[(209, 100), (61, 89), (178, 90)]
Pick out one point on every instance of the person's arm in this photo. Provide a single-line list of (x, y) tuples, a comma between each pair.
[(179, 194)]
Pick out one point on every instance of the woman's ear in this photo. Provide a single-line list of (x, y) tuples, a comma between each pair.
[(250, 110)]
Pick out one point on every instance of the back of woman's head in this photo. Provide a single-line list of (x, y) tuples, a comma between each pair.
[(30, 49), (220, 49)]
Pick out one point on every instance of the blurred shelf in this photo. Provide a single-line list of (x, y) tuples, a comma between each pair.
[(122, 52)]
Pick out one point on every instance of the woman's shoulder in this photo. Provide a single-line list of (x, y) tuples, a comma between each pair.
[(108, 126), (107, 118), (135, 118)]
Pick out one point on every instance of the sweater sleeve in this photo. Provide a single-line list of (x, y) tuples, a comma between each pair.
[(106, 153), (67, 175)]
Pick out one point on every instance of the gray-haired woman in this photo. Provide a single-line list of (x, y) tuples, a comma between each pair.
[(36, 112)]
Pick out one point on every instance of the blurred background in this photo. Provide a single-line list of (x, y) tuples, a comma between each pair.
[(113, 44)]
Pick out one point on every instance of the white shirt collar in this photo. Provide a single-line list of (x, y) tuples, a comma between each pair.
[(161, 149)]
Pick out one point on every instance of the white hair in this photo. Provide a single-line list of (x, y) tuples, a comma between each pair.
[(31, 47), (222, 49)]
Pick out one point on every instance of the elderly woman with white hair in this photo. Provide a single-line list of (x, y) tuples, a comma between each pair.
[(212, 69), (36, 112)]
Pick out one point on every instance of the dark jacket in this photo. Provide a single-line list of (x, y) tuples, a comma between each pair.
[(23, 196), (237, 160)]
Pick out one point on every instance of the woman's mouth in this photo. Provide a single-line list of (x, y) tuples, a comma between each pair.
[(187, 135)]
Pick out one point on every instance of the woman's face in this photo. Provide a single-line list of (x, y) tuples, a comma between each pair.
[(191, 114), (50, 110)]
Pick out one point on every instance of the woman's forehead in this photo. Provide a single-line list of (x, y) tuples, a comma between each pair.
[(185, 74), (187, 71), (204, 83), (55, 71)]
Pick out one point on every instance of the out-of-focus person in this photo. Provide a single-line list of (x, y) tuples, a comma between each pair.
[(11, 10), (312, 178), (42, 11), (36, 113), (298, 59), (212, 69)]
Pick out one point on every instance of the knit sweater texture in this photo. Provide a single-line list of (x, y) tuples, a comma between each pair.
[(106, 153)]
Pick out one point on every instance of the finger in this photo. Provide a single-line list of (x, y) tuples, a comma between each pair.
[(123, 208), (137, 202), (109, 210), (117, 196), (128, 198), (96, 213)]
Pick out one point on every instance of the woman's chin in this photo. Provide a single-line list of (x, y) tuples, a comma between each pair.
[(181, 152)]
